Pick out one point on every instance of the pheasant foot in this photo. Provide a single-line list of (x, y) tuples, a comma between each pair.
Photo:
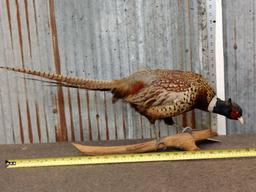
[(159, 142), (187, 130)]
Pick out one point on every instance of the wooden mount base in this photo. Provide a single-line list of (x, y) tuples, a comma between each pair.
[(184, 141)]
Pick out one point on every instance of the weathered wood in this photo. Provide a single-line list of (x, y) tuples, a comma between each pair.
[(185, 141)]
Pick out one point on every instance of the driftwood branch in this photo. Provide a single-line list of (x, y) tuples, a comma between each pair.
[(185, 141)]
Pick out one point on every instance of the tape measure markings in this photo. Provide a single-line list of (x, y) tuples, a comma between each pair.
[(211, 30), (132, 158)]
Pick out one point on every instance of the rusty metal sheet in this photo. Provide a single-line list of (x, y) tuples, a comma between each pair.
[(96, 39), (239, 45)]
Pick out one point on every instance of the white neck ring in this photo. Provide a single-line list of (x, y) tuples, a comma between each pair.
[(212, 104)]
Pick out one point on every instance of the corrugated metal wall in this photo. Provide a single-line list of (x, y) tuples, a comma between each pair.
[(240, 54), (97, 39)]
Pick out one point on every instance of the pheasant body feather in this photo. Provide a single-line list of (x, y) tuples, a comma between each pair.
[(166, 93)]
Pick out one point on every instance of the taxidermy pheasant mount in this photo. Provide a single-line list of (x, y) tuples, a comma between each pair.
[(157, 94)]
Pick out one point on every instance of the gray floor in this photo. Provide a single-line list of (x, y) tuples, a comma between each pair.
[(198, 175)]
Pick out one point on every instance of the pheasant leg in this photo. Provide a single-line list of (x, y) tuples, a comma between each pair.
[(157, 132), (158, 138)]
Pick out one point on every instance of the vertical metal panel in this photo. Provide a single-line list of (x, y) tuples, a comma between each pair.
[(239, 45), (96, 39)]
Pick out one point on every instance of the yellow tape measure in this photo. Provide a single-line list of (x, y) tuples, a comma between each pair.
[(131, 158)]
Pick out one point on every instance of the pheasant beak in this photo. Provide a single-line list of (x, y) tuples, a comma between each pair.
[(241, 120)]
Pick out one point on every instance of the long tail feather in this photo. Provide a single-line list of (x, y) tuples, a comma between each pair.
[(52, 83), (68, 80)]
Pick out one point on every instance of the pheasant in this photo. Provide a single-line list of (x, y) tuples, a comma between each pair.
[(158, 94)]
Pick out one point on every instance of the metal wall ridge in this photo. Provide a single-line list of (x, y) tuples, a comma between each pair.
[(96, 39)]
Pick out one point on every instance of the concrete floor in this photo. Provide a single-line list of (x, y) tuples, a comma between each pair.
[(198, 175)]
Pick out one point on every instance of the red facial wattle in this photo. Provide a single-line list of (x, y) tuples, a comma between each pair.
[(234, 115)]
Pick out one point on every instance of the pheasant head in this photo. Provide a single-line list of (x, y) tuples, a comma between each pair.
[(227, 108)]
